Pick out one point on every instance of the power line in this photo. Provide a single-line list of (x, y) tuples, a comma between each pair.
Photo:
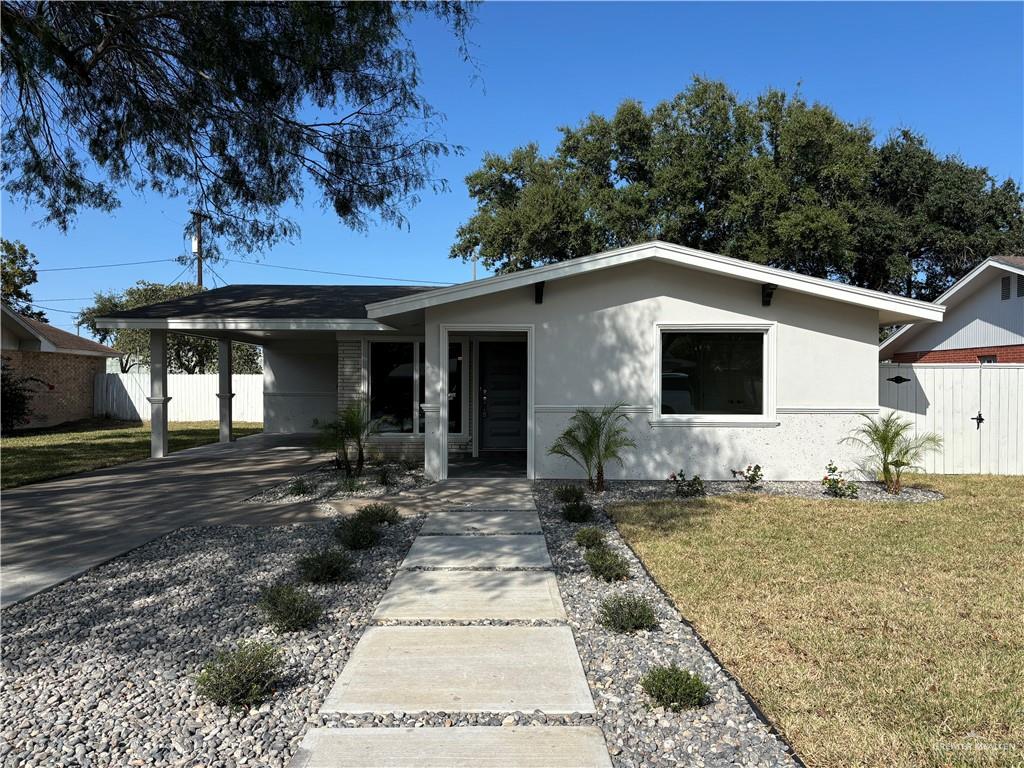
[(73, 298), (104, 266), (51, 309), (339, 274)]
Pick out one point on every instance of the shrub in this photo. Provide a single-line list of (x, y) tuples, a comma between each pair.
[(590, 537), (289, 609), (349, 484), (627, 613), (379, 513), (242, 677), (352, 428), (606, 564), (300, 486), (570, 494), (357, 533), (687, 488), (325, 566), (674, 688), (15, 397), (386, 475), (836, 485), (578, 513), (892, 448), (594, 438), (752, 475)]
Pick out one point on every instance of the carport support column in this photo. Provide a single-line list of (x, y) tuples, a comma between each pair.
[(158, 398), (224, 393)]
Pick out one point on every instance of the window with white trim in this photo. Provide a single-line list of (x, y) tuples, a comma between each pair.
[(397, 382), (712, 373)]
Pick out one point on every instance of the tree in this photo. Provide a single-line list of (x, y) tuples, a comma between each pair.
[(592, 439), (185, 354), (16, 394), (18, 269), (773, 180), (892, 448), (230, 105), (351, 429)]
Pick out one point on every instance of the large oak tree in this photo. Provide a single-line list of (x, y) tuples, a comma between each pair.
[(774, 180), (232, 106)]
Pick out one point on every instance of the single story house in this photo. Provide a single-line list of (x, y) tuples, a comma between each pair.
[(984, 321), (720, 362), (67, 363)]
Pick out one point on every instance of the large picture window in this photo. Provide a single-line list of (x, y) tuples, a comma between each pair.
[(398, 386), (712, 372)]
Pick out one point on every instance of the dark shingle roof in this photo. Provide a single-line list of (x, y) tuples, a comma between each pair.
[(1013, 261), (64, 340), (285, 302)]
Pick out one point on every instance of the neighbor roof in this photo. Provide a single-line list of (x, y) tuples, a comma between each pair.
[(891, 308), (954, 295), (54, 339), (279, 306)]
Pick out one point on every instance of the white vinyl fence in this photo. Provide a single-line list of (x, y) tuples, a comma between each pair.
[(193, 397), (977, 409)]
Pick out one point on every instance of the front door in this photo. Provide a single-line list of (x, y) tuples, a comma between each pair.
[(502, 395)]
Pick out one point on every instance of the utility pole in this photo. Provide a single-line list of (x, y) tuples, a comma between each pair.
[(197, 246)]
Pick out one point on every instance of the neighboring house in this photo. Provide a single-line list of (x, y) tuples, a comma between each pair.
[(984, 321), (67, 363), (722, 362)]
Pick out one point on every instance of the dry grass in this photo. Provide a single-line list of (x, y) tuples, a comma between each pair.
[(42, 454), (872, 634)]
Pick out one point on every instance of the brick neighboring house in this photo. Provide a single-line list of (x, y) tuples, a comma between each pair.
[(984, 321), (66, 362)]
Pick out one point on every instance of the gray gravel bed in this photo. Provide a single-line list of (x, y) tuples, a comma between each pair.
[(647, 490), (99, 671), (724, 732), (326, 482)]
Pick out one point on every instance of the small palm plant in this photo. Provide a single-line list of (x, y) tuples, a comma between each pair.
[(893, 448), (594, 438), (352, 428)]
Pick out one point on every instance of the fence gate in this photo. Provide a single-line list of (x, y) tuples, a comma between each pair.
[(977, 409)]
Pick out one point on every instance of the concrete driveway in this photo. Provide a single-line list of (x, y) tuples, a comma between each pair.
[(58, 529)]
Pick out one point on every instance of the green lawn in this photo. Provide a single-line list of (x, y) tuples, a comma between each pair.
[(872, 634), (33, 456)]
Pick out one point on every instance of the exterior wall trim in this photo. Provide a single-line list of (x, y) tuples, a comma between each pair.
[(824, 409)]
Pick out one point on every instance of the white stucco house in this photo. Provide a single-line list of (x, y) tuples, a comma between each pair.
[(721, 362)]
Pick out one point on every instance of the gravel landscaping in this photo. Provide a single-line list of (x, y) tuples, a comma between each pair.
[(647, 490), (724, 732), (326, 483), (100, 671)]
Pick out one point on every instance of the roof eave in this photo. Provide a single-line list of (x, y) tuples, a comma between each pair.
[(185, 324)]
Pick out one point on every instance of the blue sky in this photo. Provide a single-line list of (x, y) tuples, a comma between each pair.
[(952, 71)]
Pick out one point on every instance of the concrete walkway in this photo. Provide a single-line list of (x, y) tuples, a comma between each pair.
[(54, 530), (479, 557)]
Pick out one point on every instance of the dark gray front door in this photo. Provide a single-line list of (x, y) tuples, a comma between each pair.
[(502, 395)]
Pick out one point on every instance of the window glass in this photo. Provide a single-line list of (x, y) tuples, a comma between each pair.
[(455, 363), (391, 385), (712, 373)]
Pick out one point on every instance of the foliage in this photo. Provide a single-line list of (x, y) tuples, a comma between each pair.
[(590, 537), (753, 476), (379, 513), (627, 613), (185, 354), (15, 397), (242, 677), (325, 566), (674, 688), (300, 486), (593, 439), (774, 180), (357, 533), (350, 430), (18, 272), (288, 608), (386, 475), (232, 106), (570, 494), (892, 448), (580, 512), (687, 488), (606, 564), (836, 485)]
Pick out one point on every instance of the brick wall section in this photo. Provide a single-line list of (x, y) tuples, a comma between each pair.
[(1008, 354), (72, 378)]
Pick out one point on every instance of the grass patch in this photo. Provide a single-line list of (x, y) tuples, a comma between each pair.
[(872, 633), (32, 456)]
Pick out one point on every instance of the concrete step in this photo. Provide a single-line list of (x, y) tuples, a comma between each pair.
[(478, 552), (471, 595), (474, 520), (478, 746), (462, 669)]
